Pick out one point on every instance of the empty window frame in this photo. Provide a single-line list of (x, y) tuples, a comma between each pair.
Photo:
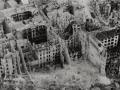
[(22, 16)]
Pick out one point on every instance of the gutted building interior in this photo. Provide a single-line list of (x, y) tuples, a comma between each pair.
[(59, 44)]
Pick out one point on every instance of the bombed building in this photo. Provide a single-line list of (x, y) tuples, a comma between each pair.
[(59, 45)]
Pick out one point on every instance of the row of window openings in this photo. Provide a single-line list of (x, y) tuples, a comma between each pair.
[(48, 52), (7, 71), (48, 59), (58, 45), (19, 18), (22, 16), (49, 48), (112, 39), (111, 44), (8, 65), (8, 68), (48, 56), (36, 28)]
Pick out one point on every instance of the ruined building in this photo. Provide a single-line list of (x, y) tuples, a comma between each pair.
[(36, 37)]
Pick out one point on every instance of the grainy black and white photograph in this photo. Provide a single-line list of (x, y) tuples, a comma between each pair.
[(59, 44)]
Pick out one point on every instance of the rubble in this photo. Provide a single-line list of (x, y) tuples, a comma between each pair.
[(59, 44)]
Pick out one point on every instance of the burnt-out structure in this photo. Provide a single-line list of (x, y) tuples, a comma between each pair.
[(110, 40), (50, 36), (9, 59), (37, 34), (71, 38), (39, 47), (93, 50), (48, 54), (101, 47), (22, 16), (17, 17), (28, 43)]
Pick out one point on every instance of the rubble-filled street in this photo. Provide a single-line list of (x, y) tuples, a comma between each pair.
[(81, 75), (59, 45)]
